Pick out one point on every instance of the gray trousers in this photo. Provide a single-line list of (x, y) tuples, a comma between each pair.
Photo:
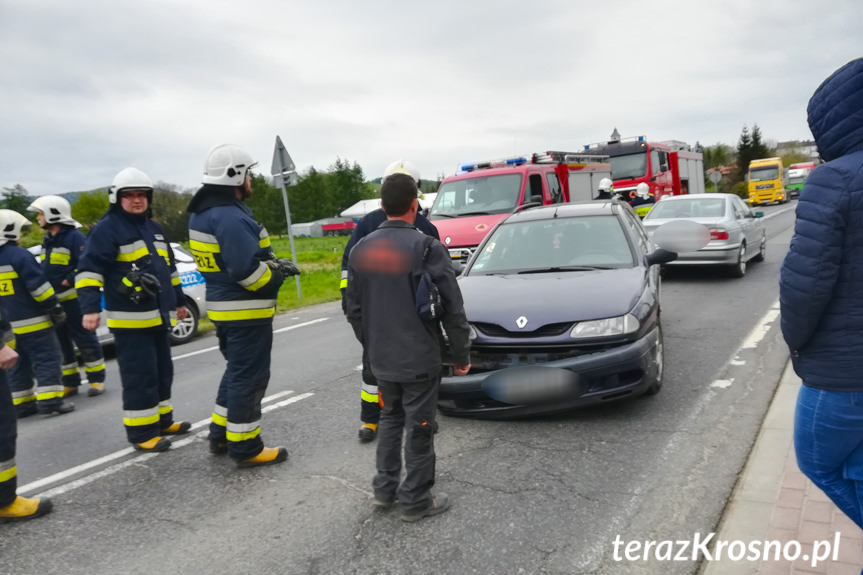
[(408, 408)]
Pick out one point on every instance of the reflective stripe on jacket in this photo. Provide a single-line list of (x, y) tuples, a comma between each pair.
[(26, 293)]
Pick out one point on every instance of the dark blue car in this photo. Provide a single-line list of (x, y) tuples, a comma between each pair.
[(563, 302)]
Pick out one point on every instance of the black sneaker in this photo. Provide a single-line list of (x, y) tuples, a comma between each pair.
[(438, 504), (61, 408)]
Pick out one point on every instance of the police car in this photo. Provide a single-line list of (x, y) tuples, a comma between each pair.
[(194, 289)]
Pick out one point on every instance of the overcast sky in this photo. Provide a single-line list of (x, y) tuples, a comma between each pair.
[(88, 87)]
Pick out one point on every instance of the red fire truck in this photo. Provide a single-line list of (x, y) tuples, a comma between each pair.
[(469, 204), (669, 168)]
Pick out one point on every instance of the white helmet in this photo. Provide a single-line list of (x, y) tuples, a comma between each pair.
[(129, 179), (227, 165), (642, 190), (11, 226), (56, 210), (402, 167), (606, 185)]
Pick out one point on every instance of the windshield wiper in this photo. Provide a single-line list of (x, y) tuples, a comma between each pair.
[(564, 269), (473, 214), (444, 215)]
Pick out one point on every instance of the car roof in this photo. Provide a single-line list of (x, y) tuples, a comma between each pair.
[(697, 196), (569, 210)]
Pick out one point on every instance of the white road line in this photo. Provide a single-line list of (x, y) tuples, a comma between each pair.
[(58, 477), (280, 330), (777, 212)]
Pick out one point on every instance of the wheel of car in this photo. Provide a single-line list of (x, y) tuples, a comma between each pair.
[(187, 328), (738, 270), (660, 365), (762, 250)]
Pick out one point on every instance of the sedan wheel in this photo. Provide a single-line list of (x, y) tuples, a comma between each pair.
[(738, 270), (762, 250), (660, 365)]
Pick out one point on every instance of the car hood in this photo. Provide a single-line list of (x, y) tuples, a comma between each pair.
[(467, 231), (551, 297)]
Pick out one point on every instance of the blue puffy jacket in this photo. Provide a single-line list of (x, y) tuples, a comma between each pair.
[(821, 283)]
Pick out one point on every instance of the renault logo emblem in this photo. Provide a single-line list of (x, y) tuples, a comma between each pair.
[(521, 322), (447, 240)]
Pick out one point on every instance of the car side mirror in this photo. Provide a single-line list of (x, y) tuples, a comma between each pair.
[(457, 268), (536, 199), (661, 256), (759, 214)]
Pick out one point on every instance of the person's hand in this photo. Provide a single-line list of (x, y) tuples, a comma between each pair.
[(182, 313), (461, 369), (65, 283), (8, 357), (90, 321)]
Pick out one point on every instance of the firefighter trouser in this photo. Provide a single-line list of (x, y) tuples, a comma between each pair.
[(146, 372), (39, 356), (237, 415), (8, 435), (72, 333), (408, 408), (370, 407)]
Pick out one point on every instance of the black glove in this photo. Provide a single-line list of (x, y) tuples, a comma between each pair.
[(284, 266), (57, 315)]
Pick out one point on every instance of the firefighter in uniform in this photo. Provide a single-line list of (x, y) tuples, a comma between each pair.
[(33, 312), (606, 189), (370, 408), (128, 256), (243, 277), (643, 200), (12, 506), (62, 246)]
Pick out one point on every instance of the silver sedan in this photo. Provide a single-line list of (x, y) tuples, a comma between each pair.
[(736, 232)]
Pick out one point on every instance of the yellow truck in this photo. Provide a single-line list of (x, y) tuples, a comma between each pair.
[(767, 181)]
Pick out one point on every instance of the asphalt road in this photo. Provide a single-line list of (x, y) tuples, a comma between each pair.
[(547, 495)]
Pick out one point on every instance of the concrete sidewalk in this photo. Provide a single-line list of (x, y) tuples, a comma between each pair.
[(774, 501)]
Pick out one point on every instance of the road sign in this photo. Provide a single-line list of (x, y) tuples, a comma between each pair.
[(285, 174), (282, 161), (715, 176)]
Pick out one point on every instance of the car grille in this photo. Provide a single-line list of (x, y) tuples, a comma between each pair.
[(547, 330)]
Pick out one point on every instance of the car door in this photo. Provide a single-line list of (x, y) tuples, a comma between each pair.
[(746, 221)]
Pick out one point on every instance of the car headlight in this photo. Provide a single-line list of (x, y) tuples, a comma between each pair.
[(619, 325)]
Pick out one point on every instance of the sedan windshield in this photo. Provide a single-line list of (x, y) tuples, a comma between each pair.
[(477, 196), (555, 245), (688, 208)]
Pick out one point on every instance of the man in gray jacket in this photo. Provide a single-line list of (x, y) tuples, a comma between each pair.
[(404, 349)]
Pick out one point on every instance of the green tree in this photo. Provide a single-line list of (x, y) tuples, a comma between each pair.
[(90, 207), (16, 198), (268, 206), (759, 148), (793, 156), (169, 209), (744, 155)]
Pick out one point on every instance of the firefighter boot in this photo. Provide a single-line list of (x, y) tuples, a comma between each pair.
[(23, 508), (96, 388), (267, 456), (69, 391), (63, 407), (155, 444), (368, 432), (26, 409), (177, 428), (218, 446)]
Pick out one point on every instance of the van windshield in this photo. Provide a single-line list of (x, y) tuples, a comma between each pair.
[(628, 166), (481, 195)]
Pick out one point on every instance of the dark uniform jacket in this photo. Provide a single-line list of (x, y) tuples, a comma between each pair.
[(27, 294), (231, 249), (383, 273), (60, 255), (367, 225), (821, 281), (117, 244)]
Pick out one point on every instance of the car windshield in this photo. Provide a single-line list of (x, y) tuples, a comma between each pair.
[(475, 196), (764, 173), (628, 166), (559, 244), (688, 208)]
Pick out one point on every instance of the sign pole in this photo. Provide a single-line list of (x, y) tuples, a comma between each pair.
[(285, 174)]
